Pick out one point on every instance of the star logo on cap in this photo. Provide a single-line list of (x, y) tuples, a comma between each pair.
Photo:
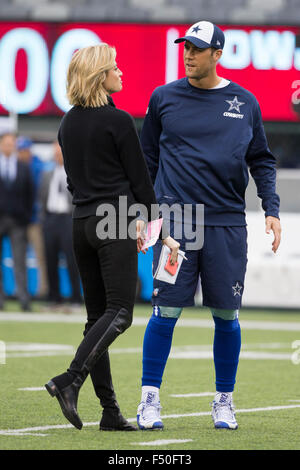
[(237, 289), (196, 29), (234, 104)]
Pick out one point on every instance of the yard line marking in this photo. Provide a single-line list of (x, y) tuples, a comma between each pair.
[(266, 346), (26, 434), (188, 395), (24, 431), (23, 349), (42, 317), (36, 347), (41, 354), (32, 389), (162, 442), (141, 321), (243, 355)]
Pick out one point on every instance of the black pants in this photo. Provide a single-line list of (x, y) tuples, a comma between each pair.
[(58, 239), (108, 271)]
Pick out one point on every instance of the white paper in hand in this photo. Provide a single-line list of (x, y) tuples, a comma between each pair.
[(152, 233), (161, 274)]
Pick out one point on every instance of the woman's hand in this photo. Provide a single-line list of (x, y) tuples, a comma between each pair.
[(140, 235), (174, 247)]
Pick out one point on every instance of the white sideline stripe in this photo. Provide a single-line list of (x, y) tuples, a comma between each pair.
[(141, 321), (32, 389), (185, 395), (40, 347), (162, 442), (24, 431), (188, 395), (243, 355), (173, 355), (17, 350)]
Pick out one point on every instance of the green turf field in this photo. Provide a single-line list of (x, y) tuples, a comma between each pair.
[(267, 397)]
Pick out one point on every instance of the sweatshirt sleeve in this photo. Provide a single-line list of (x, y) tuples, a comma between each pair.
[(135, 167), (262, 166), (150, 136)]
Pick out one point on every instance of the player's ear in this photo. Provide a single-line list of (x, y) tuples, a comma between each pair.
[(218, 54)]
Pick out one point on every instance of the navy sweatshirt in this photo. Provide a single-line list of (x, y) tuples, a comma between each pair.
[(199, 145)]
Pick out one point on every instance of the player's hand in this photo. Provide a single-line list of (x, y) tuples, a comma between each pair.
[(174, 247), (140, 235), (272, 223)]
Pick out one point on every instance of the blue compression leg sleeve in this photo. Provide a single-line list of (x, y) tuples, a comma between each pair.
[(156, 349), (227, 345)]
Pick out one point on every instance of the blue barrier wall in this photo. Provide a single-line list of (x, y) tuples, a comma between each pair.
[(144, 273)]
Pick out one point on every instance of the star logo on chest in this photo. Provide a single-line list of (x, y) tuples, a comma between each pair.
[(234, 104), (237, 289)]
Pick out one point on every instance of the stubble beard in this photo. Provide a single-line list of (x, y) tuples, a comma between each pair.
[(199, 74)]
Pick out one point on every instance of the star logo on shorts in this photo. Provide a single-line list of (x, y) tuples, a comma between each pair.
[(237, 289), (234, 104)]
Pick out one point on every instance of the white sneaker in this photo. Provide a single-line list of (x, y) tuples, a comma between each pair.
[(223, 412), (148, 413)]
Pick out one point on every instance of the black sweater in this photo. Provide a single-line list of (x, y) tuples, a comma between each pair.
[(103, 159)]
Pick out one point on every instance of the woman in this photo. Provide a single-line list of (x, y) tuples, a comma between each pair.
[(103, 160)]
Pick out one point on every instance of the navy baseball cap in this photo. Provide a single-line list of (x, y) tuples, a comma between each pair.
[(23, 143), (204, 34)]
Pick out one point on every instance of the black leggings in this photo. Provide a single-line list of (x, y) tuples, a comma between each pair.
[(108, 271)]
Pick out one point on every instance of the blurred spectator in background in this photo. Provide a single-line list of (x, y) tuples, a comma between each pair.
[(16, 202), (56, 216), (34, 231)]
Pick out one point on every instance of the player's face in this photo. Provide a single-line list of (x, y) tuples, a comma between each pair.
[(198, 63), (113, 82)]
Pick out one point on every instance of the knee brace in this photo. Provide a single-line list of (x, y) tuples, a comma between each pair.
[(167, 312), (225, 314)]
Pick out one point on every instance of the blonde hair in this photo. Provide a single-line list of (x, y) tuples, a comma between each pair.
[(86, 74)]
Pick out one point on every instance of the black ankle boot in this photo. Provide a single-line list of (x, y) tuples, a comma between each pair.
[(66, 389), (113, 420), (67, 398)]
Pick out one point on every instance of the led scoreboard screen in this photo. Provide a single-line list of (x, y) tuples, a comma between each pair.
[(34, 58)]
